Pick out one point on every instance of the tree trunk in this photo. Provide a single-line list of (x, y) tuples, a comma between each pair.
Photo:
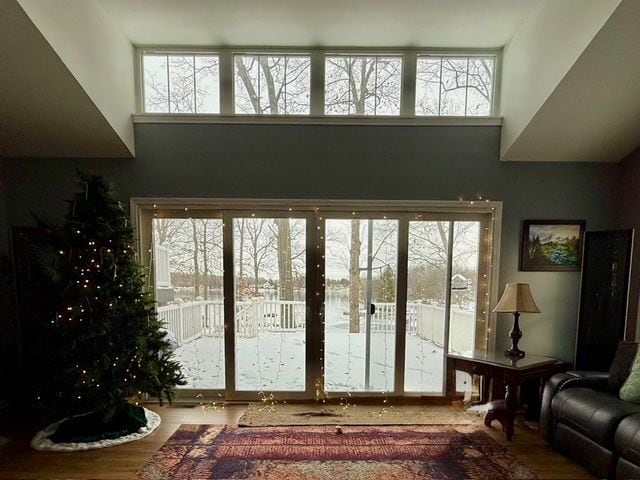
[(241, 251), (354, 278), (196, 267), (256, 267), (285, 270), (205, 280), (241, 71)]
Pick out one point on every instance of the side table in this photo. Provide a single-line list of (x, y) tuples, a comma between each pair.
[(513, 372)]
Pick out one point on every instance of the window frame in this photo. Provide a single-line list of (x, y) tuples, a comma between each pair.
[(144, 209), (399, 54), (317, 91), (270, 54), (496, 61), (140, 77)]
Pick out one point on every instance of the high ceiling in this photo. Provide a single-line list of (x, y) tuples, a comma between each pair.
[(568, 86), (433, 23)]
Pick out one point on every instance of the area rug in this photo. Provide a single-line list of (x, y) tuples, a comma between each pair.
[(197, 452), (261, 415)]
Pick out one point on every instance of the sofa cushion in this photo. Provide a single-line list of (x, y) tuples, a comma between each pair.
[(621, 365), (593, 413), (630, 390), (627, 439), (598, 460), (625, 470)]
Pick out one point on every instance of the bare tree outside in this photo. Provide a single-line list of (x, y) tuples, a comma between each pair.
[(361, 85), (273, 85), (454, 86), (181, 83), (355, 246), (448, 85)]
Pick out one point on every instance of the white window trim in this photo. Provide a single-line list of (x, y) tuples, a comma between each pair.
[(243, 119), (317, 116)]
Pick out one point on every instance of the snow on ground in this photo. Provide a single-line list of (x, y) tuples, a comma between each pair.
[(275, 361)]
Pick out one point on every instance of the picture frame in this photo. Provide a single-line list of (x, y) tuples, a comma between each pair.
[(552, 245)]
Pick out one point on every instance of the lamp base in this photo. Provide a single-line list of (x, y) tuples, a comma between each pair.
[(514, 353), (515, 335)]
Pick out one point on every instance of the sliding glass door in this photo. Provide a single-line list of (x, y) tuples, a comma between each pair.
[(270, 273), (301, 301), (361, 257), (188, 286), (442, 297)]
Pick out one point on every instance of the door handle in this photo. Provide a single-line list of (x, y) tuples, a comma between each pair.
[(373, 308)]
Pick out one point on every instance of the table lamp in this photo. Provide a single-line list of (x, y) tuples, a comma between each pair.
[(516, 299)]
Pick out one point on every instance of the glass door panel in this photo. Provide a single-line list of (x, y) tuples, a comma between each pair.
[(187, 270), (464, 295), (426, 306), (270, 303), (464, 287), (360, 304)]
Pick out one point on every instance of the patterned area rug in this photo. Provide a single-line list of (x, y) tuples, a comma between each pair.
[(423, 452), (259, 415)]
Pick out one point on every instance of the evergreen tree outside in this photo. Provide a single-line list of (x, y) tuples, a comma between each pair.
[(386, 286), (107, 346)]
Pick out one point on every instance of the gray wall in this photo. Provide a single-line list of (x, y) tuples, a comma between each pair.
[(629, 217), (4, 236), (286, 161), (6, 324)]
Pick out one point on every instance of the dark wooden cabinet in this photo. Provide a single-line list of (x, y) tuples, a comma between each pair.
[(603, 297)]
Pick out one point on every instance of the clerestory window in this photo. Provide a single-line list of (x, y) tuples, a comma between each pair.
[(454, 85), (181, 83), (272, 84), (363, 85)]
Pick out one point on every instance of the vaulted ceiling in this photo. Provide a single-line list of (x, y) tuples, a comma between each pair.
[(569, 83), (367, 23)]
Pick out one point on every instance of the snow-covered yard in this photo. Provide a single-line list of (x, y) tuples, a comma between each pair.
[(275, 361)]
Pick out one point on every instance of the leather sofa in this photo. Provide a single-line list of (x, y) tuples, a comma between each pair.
[(583, 418)]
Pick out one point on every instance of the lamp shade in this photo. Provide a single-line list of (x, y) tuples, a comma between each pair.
[(517, 298)]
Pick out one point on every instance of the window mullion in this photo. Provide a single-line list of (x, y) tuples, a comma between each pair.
[(466, 89), (440, 89), (349, 73), (168, 87), (226, 75), (447, 307), (401, 305), (286, 61), (409, 80), (195, 98), (317, 87)]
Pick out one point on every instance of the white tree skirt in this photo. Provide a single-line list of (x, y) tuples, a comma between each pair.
[(41, 439)]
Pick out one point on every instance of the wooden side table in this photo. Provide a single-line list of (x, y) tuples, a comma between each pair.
[(513, 372)]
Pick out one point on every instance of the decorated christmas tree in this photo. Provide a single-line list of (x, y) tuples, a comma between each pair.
[(106, 346)]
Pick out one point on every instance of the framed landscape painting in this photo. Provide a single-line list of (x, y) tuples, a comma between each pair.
[(551, 245)]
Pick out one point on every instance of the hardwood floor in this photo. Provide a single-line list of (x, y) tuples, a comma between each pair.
[(19, 461)]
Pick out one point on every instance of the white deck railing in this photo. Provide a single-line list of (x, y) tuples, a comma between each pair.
[(190, 320)]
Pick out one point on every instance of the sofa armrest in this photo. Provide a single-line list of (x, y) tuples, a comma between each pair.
[(563, 381), (589, 379)]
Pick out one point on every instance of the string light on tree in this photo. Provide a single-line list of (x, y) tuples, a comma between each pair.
[(96, 242)]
